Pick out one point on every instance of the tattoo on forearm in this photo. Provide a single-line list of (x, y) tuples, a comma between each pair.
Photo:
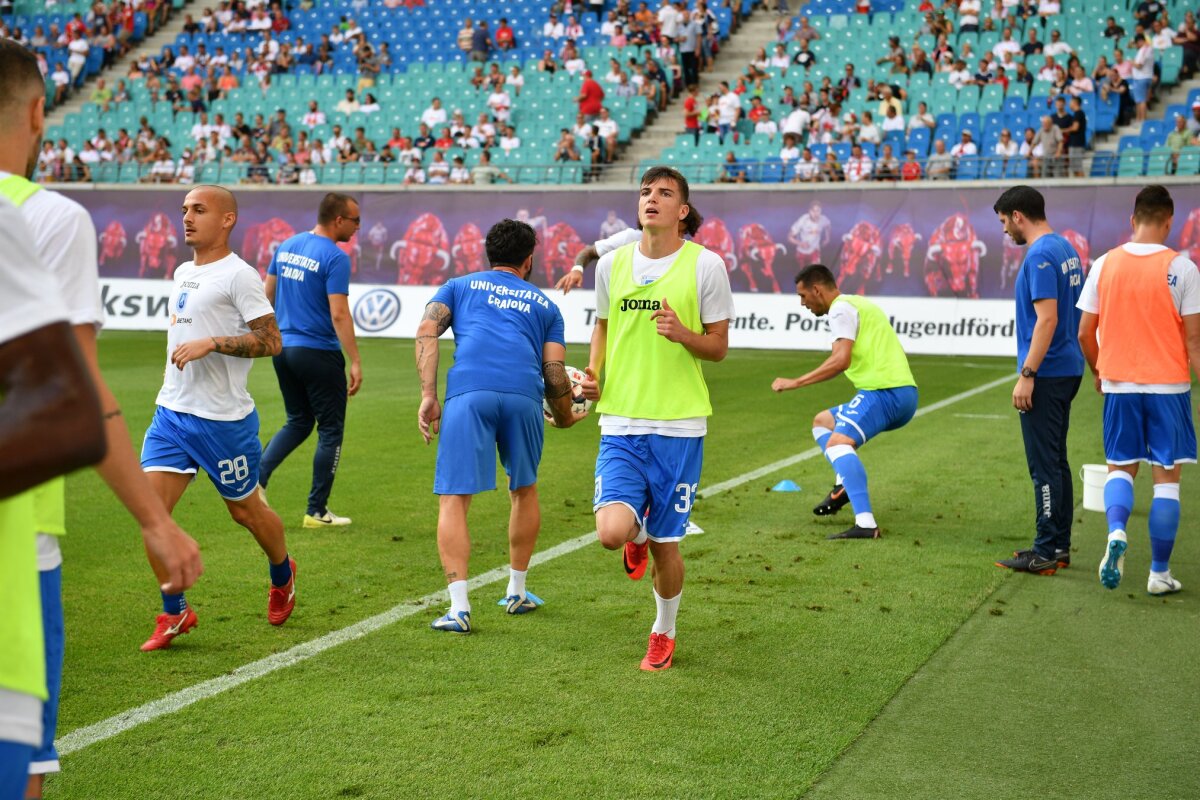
[(557, 382), (439, 313), (427, 351), (262, 340)]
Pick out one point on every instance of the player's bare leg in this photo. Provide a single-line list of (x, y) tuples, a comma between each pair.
[(668, 591), (253, 514), (169, 486), (454, 548), (617, 526), (524, 523), (177, 618)]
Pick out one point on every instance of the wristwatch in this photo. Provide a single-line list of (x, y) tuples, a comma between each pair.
[(1026, 372)]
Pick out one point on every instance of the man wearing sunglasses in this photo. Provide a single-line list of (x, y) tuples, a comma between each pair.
[(309, 284)]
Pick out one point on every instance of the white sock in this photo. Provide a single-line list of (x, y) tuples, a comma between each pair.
[(1160, 575), (837, 479), (458, 597), (516, 581), (667, 610), (865, 520), (641, 537)]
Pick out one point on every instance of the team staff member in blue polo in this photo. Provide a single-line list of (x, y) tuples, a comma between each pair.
[(309, 284)]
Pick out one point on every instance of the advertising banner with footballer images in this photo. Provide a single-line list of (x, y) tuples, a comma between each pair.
[(935, 259)]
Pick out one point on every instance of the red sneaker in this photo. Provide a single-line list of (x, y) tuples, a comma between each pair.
[(282, 599), (167, 627), (659, 653), (636, 557)]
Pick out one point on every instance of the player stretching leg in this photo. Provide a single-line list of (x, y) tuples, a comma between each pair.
[(1139, 330), (205, 417), (663, 305), (867, 349)]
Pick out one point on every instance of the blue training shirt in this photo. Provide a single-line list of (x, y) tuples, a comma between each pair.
[(308, 268), (500, 323), (1051, 270)]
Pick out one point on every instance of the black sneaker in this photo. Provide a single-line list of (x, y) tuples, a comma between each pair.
[(857, 532), (833, 502), (1063, 557), (1029, 561)]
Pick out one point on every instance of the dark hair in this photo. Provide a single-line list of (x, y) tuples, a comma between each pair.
[(693, 221), (1026, 199), (655, 174), (816, 273), (20, 78), (333, 205), (1153, 205), (509, 243)]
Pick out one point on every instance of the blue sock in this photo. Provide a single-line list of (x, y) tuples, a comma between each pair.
[(1118, 499), (174, 603), (854, 476), (1164, 524), (281, 573), (821, 436)]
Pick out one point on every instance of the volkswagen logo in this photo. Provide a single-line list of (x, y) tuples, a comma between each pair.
[(377, 310)]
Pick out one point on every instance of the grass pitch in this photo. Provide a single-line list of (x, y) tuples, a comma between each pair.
[(790, 647)]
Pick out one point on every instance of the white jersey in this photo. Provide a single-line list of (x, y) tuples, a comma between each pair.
[(29, 299), (811, 233), (1184, 281), (216, 299), (65, 241), (608, 229), (618, 239), (716, 304)]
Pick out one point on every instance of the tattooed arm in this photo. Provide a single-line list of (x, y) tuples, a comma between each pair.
[(434, 323), (263, 340), (559, 391)]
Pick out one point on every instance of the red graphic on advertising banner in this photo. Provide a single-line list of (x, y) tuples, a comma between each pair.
[(262, 240), (858, 263), (901, 242), (468, 250), (715, 236), (756, 255), (112, 242), (1080, 243), (423, 256), (156, 247), (952, 262), (562, 244), (1010, 265), (353, 251), (1189, 237)]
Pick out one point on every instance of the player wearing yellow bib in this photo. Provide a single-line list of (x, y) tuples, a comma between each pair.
[(868, 351), (49, 424), (663, 306)]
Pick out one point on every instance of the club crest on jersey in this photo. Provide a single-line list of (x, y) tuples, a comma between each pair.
[(182, 301), (640, 305)]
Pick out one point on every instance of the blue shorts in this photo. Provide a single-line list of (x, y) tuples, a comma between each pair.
[(475, 426), (1149, 427), (1139, 89), (873, 411), (45, 758), (654, 476), (228, 451)]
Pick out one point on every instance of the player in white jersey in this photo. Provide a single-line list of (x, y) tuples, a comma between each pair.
[(809, 234), (612, 225), (205, 419), (597, 250), (65, 242)]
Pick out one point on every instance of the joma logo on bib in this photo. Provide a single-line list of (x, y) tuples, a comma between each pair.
[(640, 305)]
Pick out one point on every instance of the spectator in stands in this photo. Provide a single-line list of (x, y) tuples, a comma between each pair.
[(459, 174), (553, 29), (505, 38), (485, 173), (415, 174), (1147, 11), (547, 63), (807, 168), (439, 170), (1112, 30), (572, 29), (371, 106), (1033, 46), (573, 62), (1188, 38), (910, 169), (1006, 148), (370, 65), (79, 49), (1115, 84), (831, 170), (790, 150), (608, 130), (1047, 143), (591, 97), (968, 16), (466, 35), (921, 119), (348, 104), (858, 166), (1076, 139), (868, 132), (509, 141), (1178, 139), (1080, 83), (424, 139), (732, 171), (729, 110), (435, 115), (61, 79), (892, 122), (1047, 9), (965, 148), (887, 166), (1057, 47), (1193, 122), (481, 42), (940, 165), (1025, 148), (565, 149), (1049, 70)]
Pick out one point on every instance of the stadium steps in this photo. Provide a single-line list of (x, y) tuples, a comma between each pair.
[(163, 37), (1177, 95), (738, 51)]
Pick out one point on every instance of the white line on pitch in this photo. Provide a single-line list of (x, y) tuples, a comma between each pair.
[(86, 736), (981, 416)]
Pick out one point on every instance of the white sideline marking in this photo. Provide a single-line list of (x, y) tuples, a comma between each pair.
[(81, 738), (981, 416)]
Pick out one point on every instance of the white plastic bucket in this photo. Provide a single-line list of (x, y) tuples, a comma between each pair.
[(1093, 476)]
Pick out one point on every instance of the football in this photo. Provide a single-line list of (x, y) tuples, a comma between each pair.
[(579, 403)]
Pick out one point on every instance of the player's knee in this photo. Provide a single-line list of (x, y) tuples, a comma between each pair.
[(824, 420), (612, 535), (242, 515), (840, 439)]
